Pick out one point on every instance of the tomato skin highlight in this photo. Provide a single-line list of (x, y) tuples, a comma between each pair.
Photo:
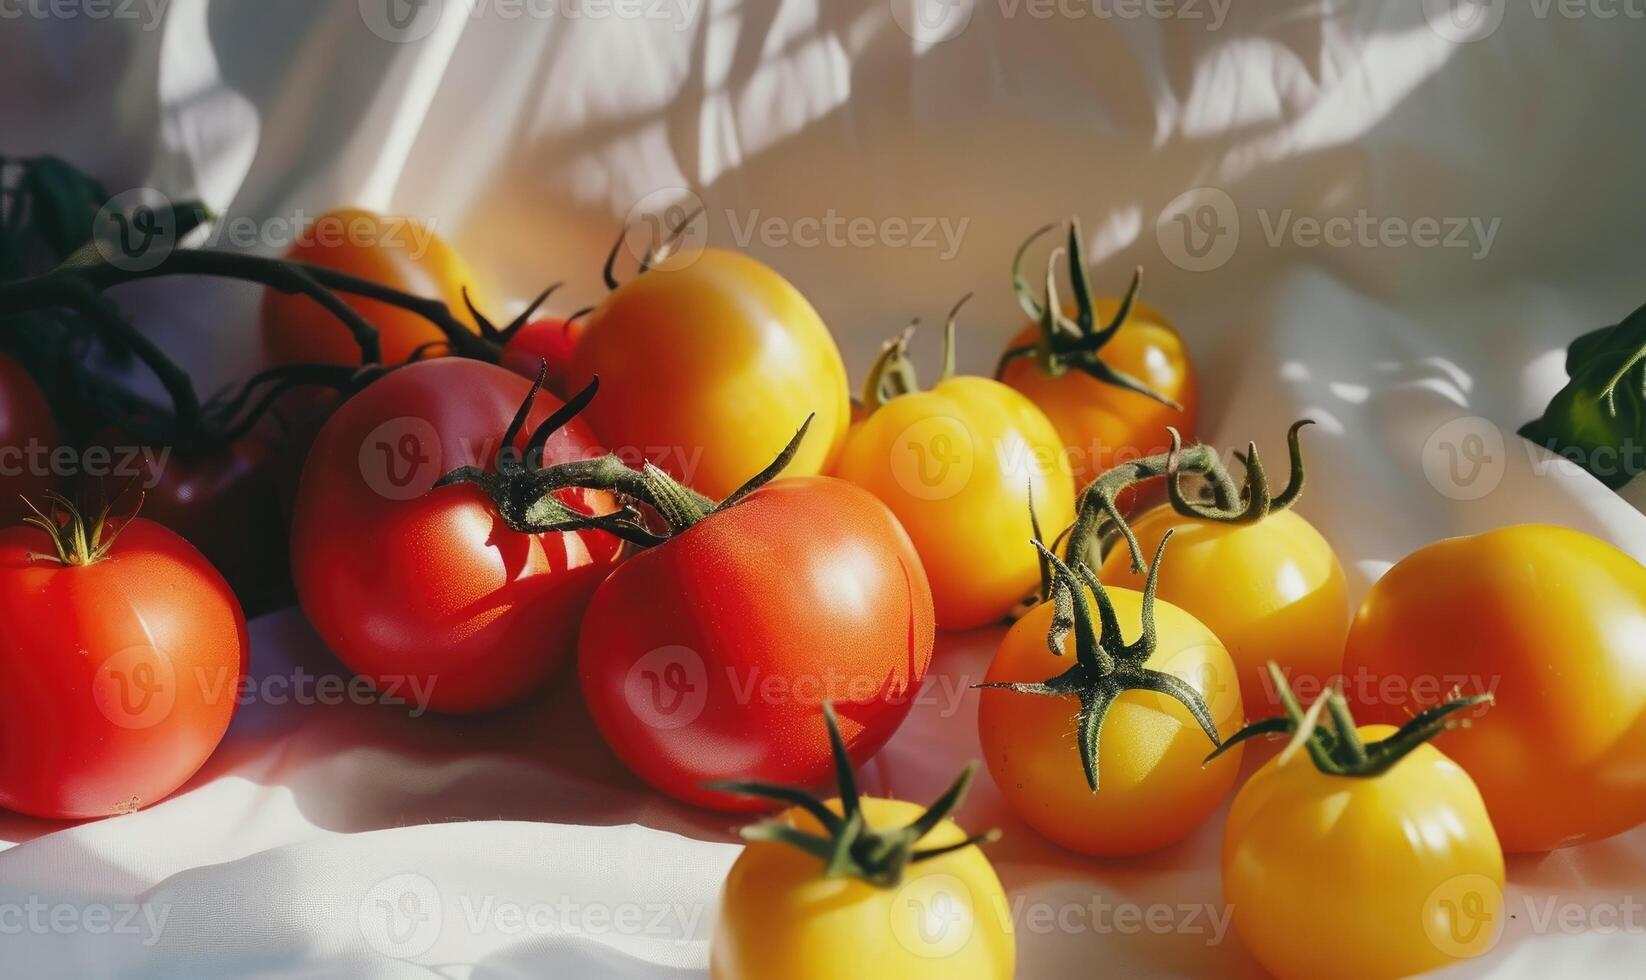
[(428, 590), (1375, 877), (1101, 425), (27, 432), (1153, 788), (780, 917), (1271, 590), (709, 369), (706, 657), (1550, 621), (402, 253), (122, 675), (956, 464)]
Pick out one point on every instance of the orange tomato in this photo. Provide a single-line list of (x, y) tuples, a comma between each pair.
[(402, 253), (1551, 621)]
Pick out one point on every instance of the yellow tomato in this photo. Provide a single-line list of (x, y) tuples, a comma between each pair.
[(956, 464), (1100, 424), (1153, 787), (1270, 590), (402, 253), (1553, 622), (708, 365), (780, 916), (1376, 876)]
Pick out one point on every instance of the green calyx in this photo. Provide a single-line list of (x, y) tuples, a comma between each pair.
[(1337, 749), (525, 491), (74, 541), (1105, 666), (1227, 503), (849, 846), (1072, 345), (893, 374)]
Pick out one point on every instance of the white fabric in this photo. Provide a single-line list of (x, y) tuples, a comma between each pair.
[(528, 139)]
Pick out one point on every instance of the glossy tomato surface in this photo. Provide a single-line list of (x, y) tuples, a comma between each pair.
[(708, 370), (1271, 590), (1551, 622), (428, 591), (958, 465), (1370, 877), (120, 675), (1154, 787), (402, 253), (781, 916), (707, 657)]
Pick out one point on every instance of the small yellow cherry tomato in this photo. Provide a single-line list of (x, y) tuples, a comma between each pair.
[(1265, 581), (708, 364), (1151, 786), (957, 464), (859, 887), (1382, 875)]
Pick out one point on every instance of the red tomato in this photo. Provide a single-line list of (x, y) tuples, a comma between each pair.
[(27, 437), (707, 657), (428, 591), (121, 674), (544, 343)]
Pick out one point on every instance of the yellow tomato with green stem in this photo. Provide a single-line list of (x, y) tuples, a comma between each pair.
[(960, 464), (708, 362), (1248, 566), (858, 887), (1111, 373), (1138, 714), (1361, 851)]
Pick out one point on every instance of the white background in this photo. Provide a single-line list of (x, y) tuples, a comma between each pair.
[(527, 133)]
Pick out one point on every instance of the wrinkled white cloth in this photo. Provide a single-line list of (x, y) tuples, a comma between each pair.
[(1482, 163)]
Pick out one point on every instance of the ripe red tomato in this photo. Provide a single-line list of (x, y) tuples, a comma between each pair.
[(122, 669), (706, 657), (27, 436), (544, 343), (426, 590)]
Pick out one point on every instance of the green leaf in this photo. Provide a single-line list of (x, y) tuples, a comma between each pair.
[(1598, 420)]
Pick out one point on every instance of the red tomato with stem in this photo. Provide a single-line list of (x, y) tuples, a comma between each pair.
[(427, 589), (122, 650), (706, 657), (545, 342)]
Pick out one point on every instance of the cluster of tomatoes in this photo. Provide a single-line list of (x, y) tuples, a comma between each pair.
[(676, 492)]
